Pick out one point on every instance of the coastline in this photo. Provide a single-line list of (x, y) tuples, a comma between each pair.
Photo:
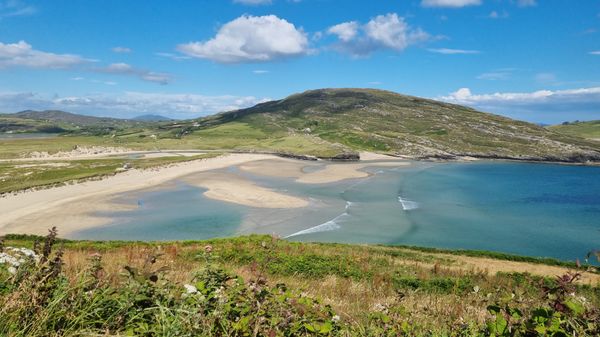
[(33, 212), (75, 207), (78, 206)]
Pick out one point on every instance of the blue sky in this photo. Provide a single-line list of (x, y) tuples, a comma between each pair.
[(537, 60)]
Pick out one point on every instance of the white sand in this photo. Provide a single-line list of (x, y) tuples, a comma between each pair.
[(232, 188), (72, 207), (375, 156), (332, 172), (69, 207)]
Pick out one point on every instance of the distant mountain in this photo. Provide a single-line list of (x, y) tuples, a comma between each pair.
[(55, 121), (589, 129), (67, 117), (387, 122), (152, 118)]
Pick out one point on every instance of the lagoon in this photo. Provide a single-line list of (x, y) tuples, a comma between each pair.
[(521, 208)]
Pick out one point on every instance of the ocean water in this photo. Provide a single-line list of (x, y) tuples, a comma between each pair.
[(527, 209)]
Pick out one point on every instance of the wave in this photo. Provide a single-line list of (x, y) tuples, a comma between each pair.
[(408, 205), (330, 225)]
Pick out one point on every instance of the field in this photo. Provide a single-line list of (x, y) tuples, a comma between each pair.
[(21, 175), (261, 285), (589, 130)]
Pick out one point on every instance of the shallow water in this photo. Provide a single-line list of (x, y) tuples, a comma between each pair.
[(527, 209)]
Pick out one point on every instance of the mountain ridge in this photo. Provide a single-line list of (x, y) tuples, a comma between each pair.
[(387, 122), (334, 123)]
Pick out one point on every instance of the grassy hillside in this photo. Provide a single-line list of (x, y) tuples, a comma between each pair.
[(590, 130), (54, 121), (263, 286), (382, 121), (332, 123), (13, 124)]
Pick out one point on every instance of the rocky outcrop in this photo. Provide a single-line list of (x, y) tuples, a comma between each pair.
[(295, 156), (349, 156)]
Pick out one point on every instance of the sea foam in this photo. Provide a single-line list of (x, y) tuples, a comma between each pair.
[(408, 205), (330, 225)]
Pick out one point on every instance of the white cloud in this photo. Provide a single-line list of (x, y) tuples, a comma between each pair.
[(597, 52), (448, 51), (145, 75), (526, 3), (128, 104), (103, 82), (450, 3), (538, 106), (464, 95), (498, 15), (12, 8), (121, 50), (253, 2), (21, 54), (260, 71), (495, 75), (345, 31), (388, 31), (392, 31), (546, 78), (251, 39), (173, 56)]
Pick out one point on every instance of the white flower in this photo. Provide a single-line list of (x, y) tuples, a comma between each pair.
[(335, 318), (15, 257), (380, 307), (190, 289)]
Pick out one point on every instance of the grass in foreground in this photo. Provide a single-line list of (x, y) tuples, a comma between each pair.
[(263, 286)]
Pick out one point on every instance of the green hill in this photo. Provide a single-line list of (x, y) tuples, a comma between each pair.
[(56, 121), (66, 117), (387, 122), (330, 123), (589, 130), (152, 118)]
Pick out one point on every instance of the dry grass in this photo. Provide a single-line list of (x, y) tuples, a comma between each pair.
[(351, 296)]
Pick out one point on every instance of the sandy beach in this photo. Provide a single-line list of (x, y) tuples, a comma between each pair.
[(329, 173), (234, 189), (75, 207), (70, 207)]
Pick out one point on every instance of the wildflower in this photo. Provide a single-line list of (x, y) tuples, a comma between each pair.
[(14, 257), (190, 289), (335, 318), (380, 307), (208, 249)]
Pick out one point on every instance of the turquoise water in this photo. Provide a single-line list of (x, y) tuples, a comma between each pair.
[(527, 209), (169, 214)]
